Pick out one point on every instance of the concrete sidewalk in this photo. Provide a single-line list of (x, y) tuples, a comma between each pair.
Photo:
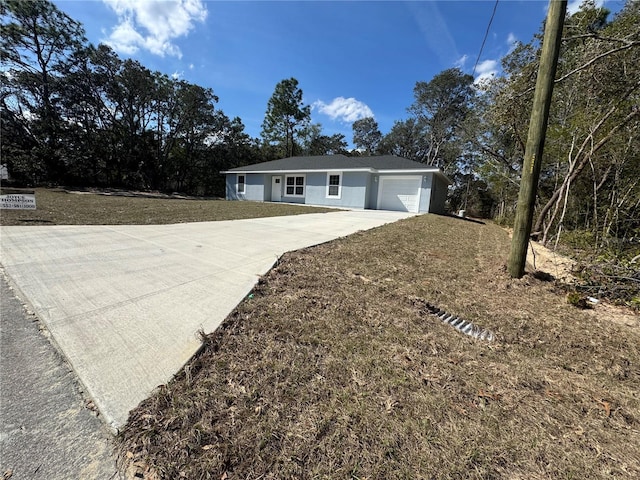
[(125, 303)]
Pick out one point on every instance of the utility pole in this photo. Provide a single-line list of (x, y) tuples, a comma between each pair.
[(536, 136)]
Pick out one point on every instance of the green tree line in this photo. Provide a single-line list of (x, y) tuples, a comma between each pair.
[(76, 114)]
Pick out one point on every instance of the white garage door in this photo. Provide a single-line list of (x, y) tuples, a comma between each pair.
[(400, 193)]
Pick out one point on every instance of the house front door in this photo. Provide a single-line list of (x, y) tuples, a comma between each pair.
[(276, 189)]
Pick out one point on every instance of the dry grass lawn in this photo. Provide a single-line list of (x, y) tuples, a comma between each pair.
[(59, 207), (333, 370)]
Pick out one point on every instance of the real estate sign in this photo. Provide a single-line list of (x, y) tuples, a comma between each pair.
[(18, 201)]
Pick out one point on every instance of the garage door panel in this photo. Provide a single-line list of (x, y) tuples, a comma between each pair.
[(400, 193)]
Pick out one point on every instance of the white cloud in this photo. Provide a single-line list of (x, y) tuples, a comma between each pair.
[(486, 70), (344, 109), (191, 66), (153, 25), (177, 75), (124, 38), (461, 61)]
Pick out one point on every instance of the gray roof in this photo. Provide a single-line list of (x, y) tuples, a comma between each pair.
[(337, 162)]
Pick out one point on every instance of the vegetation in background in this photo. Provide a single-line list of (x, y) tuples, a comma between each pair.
[(366, 135), (591, 163), (285, 118), (589, 183)]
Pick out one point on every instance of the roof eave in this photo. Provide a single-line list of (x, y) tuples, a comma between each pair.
[(302, 170), (434, 170)]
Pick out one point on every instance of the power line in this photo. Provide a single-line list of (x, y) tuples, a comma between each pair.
[(486, 34)]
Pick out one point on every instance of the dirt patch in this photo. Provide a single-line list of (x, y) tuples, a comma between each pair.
[(541, 258), (331, 370), (620, 315), (559, 268)]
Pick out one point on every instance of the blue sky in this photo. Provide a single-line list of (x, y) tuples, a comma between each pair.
[(352, 59)]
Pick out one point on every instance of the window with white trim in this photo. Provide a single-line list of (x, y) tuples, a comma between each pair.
[(334, 184), (241, 184), (294, 185)]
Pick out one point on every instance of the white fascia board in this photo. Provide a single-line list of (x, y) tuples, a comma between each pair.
[(305, 170), (416, 171)]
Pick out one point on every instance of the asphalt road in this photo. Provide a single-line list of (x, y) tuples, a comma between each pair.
[(47, 430)]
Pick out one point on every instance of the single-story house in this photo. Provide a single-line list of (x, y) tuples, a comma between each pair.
[(384, 182)]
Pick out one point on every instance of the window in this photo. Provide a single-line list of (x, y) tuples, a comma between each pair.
[(334, 185), (240, 185), (294, 186)]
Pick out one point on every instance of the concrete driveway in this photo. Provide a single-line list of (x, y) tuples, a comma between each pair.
[(125, 303)]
